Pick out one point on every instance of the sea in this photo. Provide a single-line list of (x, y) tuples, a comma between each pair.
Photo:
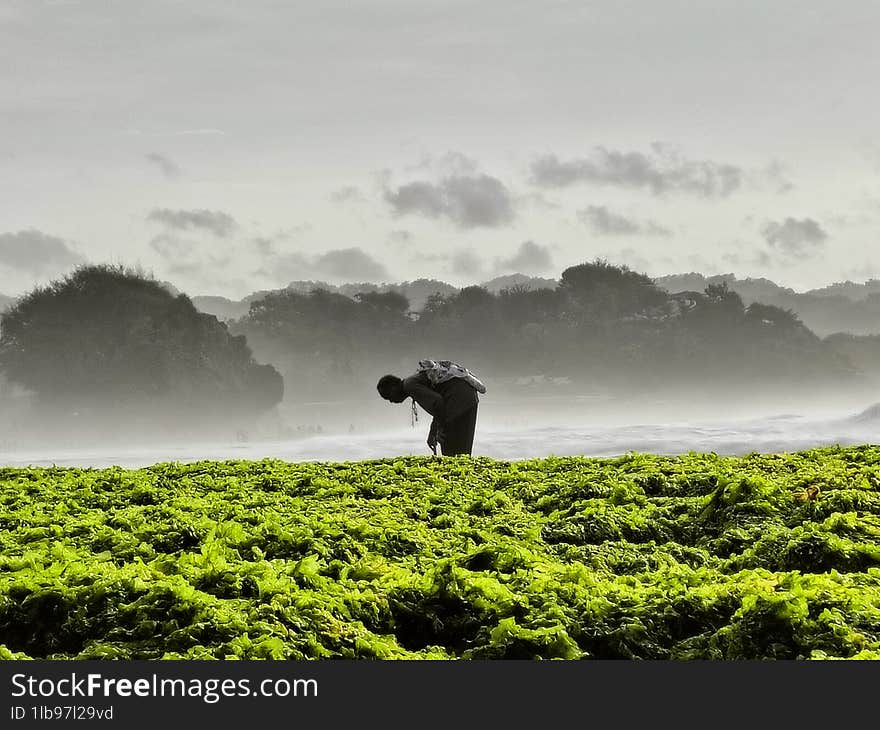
[(782, 432)]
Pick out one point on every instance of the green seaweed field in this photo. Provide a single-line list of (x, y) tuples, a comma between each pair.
[(638, 557)]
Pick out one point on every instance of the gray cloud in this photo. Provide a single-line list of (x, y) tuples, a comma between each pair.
[(193, 256), (466, 263), (451, 163), (748, 259), (290, 265), (265, 246), (347, 194), (794, 236), (421, 257), (168, 167), (297, 230), (664, 171), (172, 247), (776, 175), (350, 263), (186, 257), (217, 222), (469, 201), (186, 268), (401, 238), (36, 253), (607, 223), (530, 258), (540, 201), (422, 198), (347, 264)]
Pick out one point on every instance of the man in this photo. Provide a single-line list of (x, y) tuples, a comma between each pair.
[(452, 403)]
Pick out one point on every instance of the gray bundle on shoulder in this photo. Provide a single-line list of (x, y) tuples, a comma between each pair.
[(439, 371)]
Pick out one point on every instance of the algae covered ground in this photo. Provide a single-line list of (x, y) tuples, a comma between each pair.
[(698, 556)]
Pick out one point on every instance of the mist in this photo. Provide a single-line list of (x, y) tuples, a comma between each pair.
[(512, 429), (601, 361)]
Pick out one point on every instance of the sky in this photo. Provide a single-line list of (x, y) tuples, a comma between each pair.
[(228, 147)]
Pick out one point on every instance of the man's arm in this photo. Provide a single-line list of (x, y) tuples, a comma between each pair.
[(433, 436), (426, 397)]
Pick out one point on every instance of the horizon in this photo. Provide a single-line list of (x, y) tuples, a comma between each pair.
[(354, 282)]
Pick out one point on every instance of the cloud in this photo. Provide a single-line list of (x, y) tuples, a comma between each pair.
[(540, 202), (422, 198), (217, 222), (776, 175), (193, 258), (289, 265), (606, 223), (37, 253), (350, 263), (172, 247), (168, 167), (794, 236), (264, 245), (451, 163), (530, 258), (663, 172), (468, 201), (466, 263), (347, 194), (421, 257), (749, 259), (346, 264), (184, 252), (401, 238)]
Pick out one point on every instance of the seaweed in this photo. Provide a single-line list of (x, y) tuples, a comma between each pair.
[(768, 556)]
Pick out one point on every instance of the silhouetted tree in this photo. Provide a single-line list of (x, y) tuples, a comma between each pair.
[(599, 291), (716, 315), (770, 315), (104, 336)]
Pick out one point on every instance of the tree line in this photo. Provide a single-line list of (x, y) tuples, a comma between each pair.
[(603, 325), (106, 336)]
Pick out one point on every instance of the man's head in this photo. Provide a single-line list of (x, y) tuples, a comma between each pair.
[(390, 387)]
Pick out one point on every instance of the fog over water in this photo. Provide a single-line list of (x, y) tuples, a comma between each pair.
[(511, 430)]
